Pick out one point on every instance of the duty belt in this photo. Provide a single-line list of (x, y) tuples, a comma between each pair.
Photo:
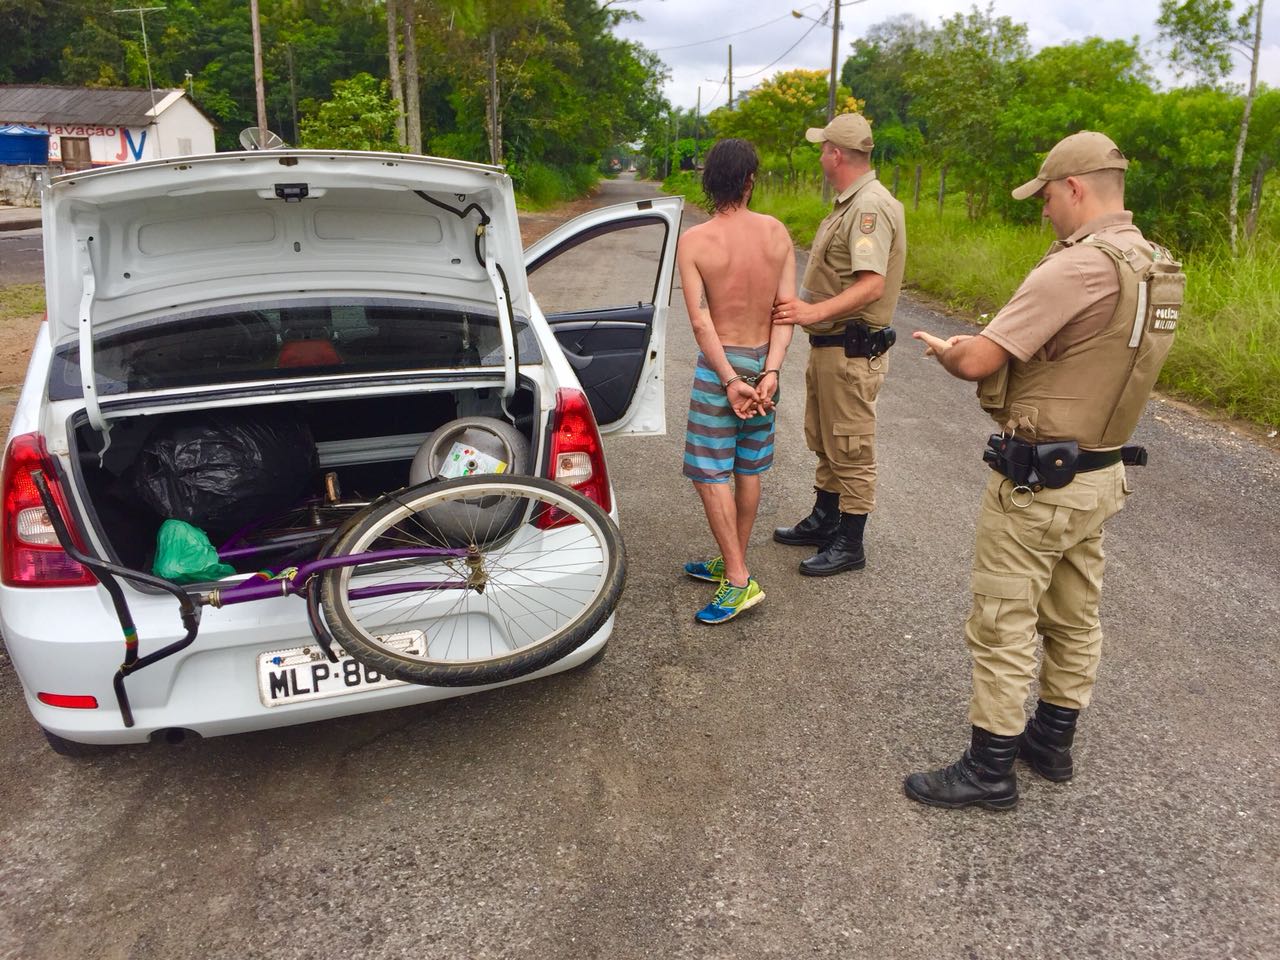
[(1033, 466), (858, 340)]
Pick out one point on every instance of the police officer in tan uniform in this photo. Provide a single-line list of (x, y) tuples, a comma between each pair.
[(846, 303), (1065, 370)]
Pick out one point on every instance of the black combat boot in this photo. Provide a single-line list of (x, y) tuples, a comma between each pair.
[(842, 552), (818, 527), (1046, 743), (983, 776)]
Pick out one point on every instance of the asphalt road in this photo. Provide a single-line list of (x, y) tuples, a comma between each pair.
[(731, 792), (21, 260)]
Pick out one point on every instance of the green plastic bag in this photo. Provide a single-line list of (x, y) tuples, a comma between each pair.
[(185, 555)]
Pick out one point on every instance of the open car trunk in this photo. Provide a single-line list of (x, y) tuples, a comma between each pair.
[(267, 466)]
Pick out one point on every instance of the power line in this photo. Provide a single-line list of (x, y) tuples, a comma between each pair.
[(784, 52), (712, 100), (698, 43)]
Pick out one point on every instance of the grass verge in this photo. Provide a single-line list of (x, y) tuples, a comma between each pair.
[(21, 300), (540, 187)]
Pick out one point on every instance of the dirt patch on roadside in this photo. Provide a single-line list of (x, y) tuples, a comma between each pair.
[(16, 337)]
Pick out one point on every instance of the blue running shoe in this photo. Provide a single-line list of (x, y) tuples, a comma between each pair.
[(730, 601), (710, 570)]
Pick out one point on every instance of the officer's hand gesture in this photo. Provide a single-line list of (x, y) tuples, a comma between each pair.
[(936, 346)]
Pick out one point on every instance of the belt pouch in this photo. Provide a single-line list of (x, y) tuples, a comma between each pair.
[(1056, 462), (887, 338), (1134, 456), (855, 339)]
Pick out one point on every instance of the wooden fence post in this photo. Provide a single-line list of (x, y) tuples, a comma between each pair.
[(915, 197), (942, 186)]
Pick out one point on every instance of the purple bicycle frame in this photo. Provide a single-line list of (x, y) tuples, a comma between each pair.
[(261, 588)]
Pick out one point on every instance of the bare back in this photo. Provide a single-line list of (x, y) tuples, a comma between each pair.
[(744, 262)]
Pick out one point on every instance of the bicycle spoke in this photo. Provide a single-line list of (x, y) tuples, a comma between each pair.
[(516, 587)]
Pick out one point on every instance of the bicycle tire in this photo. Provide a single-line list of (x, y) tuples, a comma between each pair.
[(522, 598)]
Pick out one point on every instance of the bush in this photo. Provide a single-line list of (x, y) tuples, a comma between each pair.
[(460, 146), (540, 186), (687, 184)]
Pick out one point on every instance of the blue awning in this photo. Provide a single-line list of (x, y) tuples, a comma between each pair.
[(18, 130)]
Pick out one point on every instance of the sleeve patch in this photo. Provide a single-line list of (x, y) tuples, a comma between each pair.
[(867, 223)]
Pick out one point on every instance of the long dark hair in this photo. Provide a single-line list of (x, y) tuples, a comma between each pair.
[(729, 168)]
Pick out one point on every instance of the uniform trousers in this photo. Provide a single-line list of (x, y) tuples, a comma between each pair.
[(840, 424), (1037, 569)]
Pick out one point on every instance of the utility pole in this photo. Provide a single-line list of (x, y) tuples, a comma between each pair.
[(731, 76), (146, 55), (697, 118), (293, 90), (671, 149), (495, 134), (831, 87), (412, 102), (393, 70), (835, 58), (257, 69)]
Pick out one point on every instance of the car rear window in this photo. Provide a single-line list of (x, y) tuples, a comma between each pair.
[(291, 340)]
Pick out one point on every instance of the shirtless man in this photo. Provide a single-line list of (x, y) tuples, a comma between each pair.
[(733, 269)]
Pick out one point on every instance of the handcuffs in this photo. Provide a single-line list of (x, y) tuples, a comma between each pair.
[(751, 380)]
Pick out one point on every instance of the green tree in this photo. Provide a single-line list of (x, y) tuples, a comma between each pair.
[(775, 114), (1179, 145), (1060, 90), (960, 83), (877, 73), (569, 88), (1262, 152), (1202, 35), (34, 32), (360, 116)]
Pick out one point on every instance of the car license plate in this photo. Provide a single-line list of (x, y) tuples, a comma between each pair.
[(305, 673)]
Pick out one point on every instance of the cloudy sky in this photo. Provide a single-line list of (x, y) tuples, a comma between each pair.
[(693, 36)]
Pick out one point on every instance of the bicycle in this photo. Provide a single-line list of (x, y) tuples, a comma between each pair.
[(459, 582), (296, 533)]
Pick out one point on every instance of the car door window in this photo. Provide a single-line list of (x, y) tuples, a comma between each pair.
[(603, 283), (575, 280)]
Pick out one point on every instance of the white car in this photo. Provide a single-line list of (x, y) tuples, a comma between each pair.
[(375, 305)]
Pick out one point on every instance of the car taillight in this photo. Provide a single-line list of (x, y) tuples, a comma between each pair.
[(71, 701), (31, 554), (577, 455)]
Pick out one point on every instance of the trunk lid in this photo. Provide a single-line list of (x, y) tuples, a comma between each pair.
[(142, 243)]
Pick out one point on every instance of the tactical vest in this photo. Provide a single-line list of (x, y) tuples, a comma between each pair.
[(1096, 390)]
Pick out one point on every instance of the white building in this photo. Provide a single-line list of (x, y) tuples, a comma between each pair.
[(93, 127)]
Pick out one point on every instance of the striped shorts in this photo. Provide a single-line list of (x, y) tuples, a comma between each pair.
[(717, 443)]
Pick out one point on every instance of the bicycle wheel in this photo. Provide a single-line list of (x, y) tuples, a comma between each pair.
[(524, 572)]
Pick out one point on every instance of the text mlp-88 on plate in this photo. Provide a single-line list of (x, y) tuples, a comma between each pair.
[(305, 673)]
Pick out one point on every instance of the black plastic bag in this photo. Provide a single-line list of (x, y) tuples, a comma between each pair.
[(222, 470)]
